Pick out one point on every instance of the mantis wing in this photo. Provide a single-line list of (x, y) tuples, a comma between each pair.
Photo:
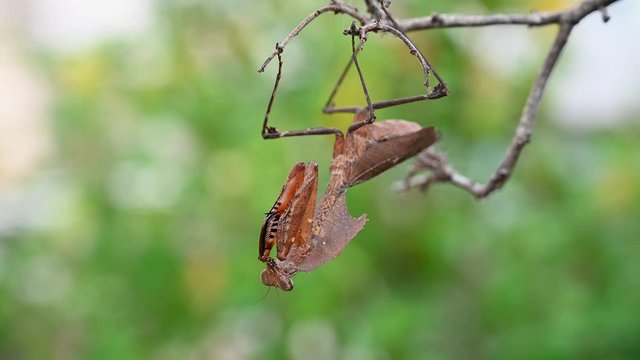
[(332, 231), (379, 146)]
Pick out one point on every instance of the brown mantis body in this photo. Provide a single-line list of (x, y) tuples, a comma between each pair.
[(309, 235)]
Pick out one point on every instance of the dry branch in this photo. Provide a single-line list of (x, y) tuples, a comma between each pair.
[(572, 15), (441, 170)]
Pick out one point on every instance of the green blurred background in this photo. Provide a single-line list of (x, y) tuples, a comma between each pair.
[(133, 183)]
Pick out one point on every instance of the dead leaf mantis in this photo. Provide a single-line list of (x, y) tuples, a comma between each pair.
[(308, 235)]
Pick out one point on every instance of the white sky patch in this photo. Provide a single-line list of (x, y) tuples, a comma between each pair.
[(597, 83), (504, 50), (597, 79), (69, 25)]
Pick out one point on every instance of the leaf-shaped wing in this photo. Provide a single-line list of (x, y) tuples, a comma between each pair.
[(332, 230), (379, 146)]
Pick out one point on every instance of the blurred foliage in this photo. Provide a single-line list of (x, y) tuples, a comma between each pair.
[(161, 181)]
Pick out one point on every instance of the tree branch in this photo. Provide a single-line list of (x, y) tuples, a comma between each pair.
[(442, 171), (439, 21)]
